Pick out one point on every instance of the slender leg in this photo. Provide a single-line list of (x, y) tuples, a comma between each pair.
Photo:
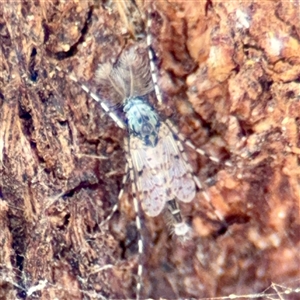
[(107, 110), (151, 58), (115, 207), (190, 144), (196, 179), (137, 221)]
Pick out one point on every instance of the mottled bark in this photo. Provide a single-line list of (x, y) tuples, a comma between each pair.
[(229, 73)]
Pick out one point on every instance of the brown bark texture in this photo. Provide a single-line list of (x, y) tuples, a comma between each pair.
[(229, 73)]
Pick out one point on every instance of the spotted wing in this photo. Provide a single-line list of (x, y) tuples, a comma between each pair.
[(161, 172), (180, 179), (148, 163)]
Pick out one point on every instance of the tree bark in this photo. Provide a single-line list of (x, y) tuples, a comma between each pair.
[(229, 73)]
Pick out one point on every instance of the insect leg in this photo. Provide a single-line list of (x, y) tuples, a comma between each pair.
[(107, 110), (137, 221), (196, 179), (192, 146), (115, 207), (151, 57)]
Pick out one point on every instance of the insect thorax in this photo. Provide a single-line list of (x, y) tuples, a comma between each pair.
[(143, 121)]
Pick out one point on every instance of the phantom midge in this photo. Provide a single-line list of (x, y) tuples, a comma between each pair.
[(157, 165)]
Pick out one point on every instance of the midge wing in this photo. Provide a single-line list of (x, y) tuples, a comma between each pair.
[(161, 172), (180, 179), (182, 183), (148, 165)]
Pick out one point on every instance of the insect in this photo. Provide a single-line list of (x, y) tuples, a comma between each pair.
[(159, 171), (156, 162), (158, 168), (65, 234)]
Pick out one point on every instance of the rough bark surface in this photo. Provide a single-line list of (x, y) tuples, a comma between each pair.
[(229, 73)]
